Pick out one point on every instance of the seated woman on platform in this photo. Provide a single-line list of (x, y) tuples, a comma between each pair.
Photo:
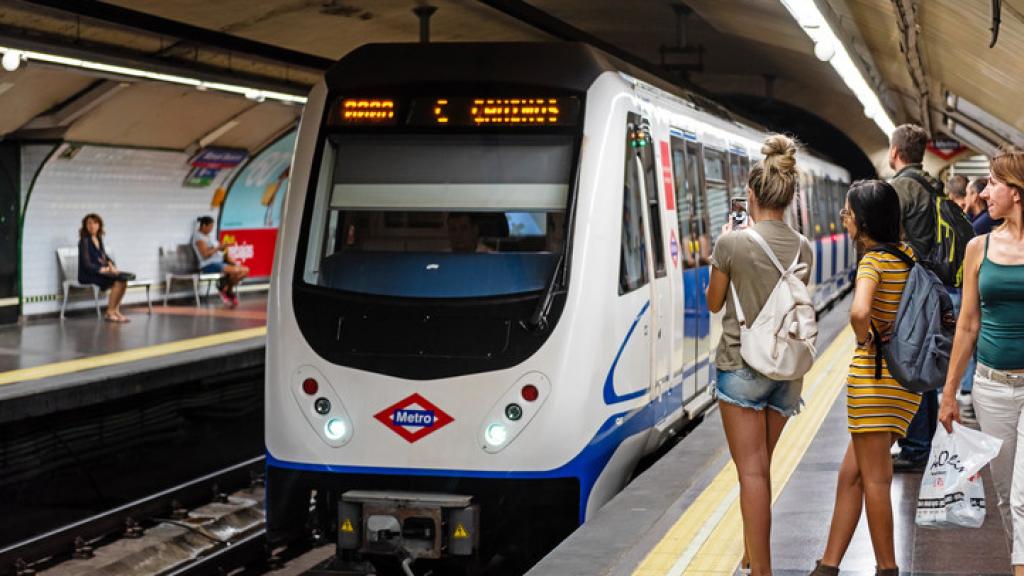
[(213, 259), (95, 267)]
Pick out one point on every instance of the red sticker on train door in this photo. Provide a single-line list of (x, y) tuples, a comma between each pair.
[(666, 175)]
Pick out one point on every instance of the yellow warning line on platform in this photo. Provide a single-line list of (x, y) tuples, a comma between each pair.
[(708, 538), (125, 356)]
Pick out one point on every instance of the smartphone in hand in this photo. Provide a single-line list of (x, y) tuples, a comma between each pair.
[(738, 213)]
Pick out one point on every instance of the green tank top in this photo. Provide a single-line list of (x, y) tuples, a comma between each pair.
[(1001, 341)]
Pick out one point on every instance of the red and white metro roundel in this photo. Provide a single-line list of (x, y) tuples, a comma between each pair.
[(413, 418)]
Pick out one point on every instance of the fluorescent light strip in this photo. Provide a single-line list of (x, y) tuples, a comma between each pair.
[(250, 93), (807, 15)]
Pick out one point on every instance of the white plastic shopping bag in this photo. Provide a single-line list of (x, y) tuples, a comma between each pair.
[(952, 494)]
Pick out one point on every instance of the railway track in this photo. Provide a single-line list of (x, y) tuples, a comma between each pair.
[(202, 526)]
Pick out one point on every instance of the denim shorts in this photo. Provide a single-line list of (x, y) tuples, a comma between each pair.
[(212, 268), (748, 389)]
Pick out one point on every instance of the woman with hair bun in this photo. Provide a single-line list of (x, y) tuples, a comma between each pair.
[(755, 408), (878, 409), (992, 317)]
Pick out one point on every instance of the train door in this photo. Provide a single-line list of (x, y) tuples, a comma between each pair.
[(695, 249), (715, 206), (633, 365), (661, 288)]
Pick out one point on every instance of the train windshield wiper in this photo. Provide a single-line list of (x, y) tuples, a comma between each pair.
[(539, 319)]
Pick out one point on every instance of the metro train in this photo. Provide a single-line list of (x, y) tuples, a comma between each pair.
[(488, 295)]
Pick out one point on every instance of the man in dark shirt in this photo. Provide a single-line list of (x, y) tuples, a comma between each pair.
[(977, 208), (906, 154), (917, 207)]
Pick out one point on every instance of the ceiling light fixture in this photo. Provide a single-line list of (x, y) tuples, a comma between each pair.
[(11, 60), (828, 48), (259, 95)]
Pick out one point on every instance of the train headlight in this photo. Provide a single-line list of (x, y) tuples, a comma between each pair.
[(335, 429), (496, 434)]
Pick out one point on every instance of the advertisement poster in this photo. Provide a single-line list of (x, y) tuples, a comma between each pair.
[(252, 209)]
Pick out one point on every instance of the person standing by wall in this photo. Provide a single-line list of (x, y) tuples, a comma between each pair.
[(993, 319), (755, 408)]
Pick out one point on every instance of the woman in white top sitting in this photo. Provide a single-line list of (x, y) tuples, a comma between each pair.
[(213, 259)]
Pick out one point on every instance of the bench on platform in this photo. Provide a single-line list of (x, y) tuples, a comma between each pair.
[(67, 257), (182, 266)]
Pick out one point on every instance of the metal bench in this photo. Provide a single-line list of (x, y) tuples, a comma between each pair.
[(67, 257), (182, 266)]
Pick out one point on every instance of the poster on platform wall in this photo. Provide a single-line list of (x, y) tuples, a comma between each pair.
[(252, 209)]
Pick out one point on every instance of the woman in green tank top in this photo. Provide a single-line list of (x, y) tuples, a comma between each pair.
[(992, 317)]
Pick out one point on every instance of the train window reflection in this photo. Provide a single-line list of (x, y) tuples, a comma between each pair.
[(419, 216)]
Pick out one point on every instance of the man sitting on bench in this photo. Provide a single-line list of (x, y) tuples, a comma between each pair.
[(213, 259)]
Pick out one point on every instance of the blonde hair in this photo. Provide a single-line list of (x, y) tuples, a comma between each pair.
[(1008, 167), (774, 178)]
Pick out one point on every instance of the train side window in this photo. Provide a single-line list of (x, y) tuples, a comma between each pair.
[(643, 146), (716, 191), (737, 175), (797, 208), (633, 255), (693, 223)]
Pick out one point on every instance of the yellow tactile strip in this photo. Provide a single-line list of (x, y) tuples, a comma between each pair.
[(708, 538), (133, 355)]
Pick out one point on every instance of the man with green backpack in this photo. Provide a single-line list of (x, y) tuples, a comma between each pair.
[(937, 230)]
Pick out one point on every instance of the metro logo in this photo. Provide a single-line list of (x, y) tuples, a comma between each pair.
[(413, 417)]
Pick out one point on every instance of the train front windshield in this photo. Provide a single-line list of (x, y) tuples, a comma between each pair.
[(428, 215)]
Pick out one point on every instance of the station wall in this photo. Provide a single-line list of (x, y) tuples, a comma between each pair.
[(144, 206)]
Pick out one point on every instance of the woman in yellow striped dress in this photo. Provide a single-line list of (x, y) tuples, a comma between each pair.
[(879, 410)]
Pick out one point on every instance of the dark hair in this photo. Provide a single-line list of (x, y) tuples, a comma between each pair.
[(876, 210), (83, 232), (957, 186), (979, 184), (910, 141), (204, 220)]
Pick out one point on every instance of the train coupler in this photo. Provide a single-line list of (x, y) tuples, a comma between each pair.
[(420, 525)]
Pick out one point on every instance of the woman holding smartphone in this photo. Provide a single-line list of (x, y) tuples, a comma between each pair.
[(755, 408)]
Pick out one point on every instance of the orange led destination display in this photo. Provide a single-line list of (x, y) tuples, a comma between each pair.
[(367, 111), (503, 112)]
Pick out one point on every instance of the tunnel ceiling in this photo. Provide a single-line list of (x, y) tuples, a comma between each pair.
[(752, 51)]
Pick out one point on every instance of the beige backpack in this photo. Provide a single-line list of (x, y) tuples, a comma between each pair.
[(779, 344)]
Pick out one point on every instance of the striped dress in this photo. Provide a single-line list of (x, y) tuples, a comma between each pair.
[(880, 405)]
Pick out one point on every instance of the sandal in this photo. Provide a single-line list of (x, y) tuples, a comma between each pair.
[(824, 570), (110, 318)]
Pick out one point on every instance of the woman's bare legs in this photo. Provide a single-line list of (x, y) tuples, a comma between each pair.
[(747, 431), (114, 301), (846, 514), (875, 465)]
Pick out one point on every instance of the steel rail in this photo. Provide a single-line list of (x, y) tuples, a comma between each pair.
[(60, 542)]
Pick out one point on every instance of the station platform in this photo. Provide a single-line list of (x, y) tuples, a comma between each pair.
[(682, 515), (48, 365)]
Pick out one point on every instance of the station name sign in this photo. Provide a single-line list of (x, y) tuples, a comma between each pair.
[(465, 111), (219, 158)]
